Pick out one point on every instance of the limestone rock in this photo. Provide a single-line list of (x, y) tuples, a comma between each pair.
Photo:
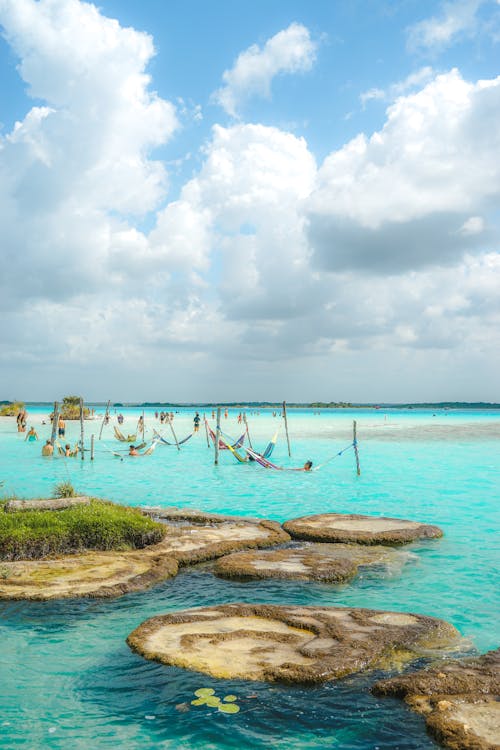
[(90, 574), (289, 643), (191, 543), (328, 563), (342, 527), (459, 699)]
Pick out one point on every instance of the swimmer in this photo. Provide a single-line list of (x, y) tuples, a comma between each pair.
[(132, 451), (48, 449), (308, 465), (32, 435)]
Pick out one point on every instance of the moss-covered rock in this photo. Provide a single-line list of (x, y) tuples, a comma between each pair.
[(459, 699), (342, 527), (290, 643)]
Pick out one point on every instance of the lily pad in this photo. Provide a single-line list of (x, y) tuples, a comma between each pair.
[(203, 692), (229, 708), (230, 698), (212, 701)]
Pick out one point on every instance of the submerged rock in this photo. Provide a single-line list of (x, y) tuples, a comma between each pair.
[(292, 643), (329, 563), (90, 574), (459, 699), (342, 527)]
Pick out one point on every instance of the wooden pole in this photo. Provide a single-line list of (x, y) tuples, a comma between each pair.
[(217, 436), (206, 432), (355, 444), (106, 414), (286, 428), (173, 433), (82, 438), (248, 433), (143, 425), (55, 420), (92, 447)]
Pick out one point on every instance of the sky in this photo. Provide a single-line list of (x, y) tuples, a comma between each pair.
[(226, 201)]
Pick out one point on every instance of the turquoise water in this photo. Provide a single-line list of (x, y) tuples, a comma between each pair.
[(69, 680)]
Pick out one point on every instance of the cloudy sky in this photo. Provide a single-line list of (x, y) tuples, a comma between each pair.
[(266, 200)]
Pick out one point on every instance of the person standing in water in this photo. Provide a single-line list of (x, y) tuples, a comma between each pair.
[(48, 449), (61, 427), (32, 435), (196, 422)]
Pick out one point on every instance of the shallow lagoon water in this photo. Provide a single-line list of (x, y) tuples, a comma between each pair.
[(69, 680)]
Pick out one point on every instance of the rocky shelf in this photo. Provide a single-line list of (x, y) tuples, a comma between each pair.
[(459, 699), (341, 527), (289, 643), (327, 563)]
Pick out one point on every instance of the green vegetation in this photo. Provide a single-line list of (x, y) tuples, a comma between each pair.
[(11, 409), (64, 489), (70, 408), (35, 534)]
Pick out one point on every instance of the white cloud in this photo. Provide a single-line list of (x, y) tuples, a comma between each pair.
[(263, 257), (289, 51), (410, 83), (399, 199), (457, 18)]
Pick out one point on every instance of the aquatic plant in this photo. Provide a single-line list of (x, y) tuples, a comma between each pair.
[(207, 697), (100, 525)]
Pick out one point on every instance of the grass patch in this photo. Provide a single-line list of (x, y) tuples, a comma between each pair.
[(35, 534)]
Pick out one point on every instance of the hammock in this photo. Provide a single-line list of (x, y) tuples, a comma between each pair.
[(121, 437), (222, 444), (270, 446), (161, 439)]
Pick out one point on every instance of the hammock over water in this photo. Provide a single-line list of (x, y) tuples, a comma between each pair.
[(161, 439), (121, 437), (222, 443)]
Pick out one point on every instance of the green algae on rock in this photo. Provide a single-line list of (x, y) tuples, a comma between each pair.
[(343, 527), (459, 699), (287, 643), (328, 563)]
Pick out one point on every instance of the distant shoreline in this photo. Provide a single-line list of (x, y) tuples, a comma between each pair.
[(448, 405)]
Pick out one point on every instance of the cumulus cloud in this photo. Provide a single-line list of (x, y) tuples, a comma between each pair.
[(410, 83), (389, 245), (457, 19), (402, 198), (289, 51)]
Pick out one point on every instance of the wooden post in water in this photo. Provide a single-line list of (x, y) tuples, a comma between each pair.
[(106, 414), (55, 420), (217, 436), (355, 445), (144, 426), (82, 438), (92, 447), (206, 433), (286, 428), (173, 433), (248, 433)]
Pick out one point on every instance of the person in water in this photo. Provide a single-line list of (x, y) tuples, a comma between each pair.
[(132, 451), (70, 453), (61, 427), (32, 435), (308, 465), (196, 422), (48, 449)]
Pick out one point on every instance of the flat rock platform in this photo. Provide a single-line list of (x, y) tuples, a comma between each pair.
[(341, 527), (327, 563), (288, 643)]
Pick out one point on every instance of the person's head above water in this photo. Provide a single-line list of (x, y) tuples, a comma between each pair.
[(308, 465)]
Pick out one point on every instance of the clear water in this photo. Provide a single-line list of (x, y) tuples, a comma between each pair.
[(67, 678)]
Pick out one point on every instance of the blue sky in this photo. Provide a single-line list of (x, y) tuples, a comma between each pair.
[(283, 199)]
